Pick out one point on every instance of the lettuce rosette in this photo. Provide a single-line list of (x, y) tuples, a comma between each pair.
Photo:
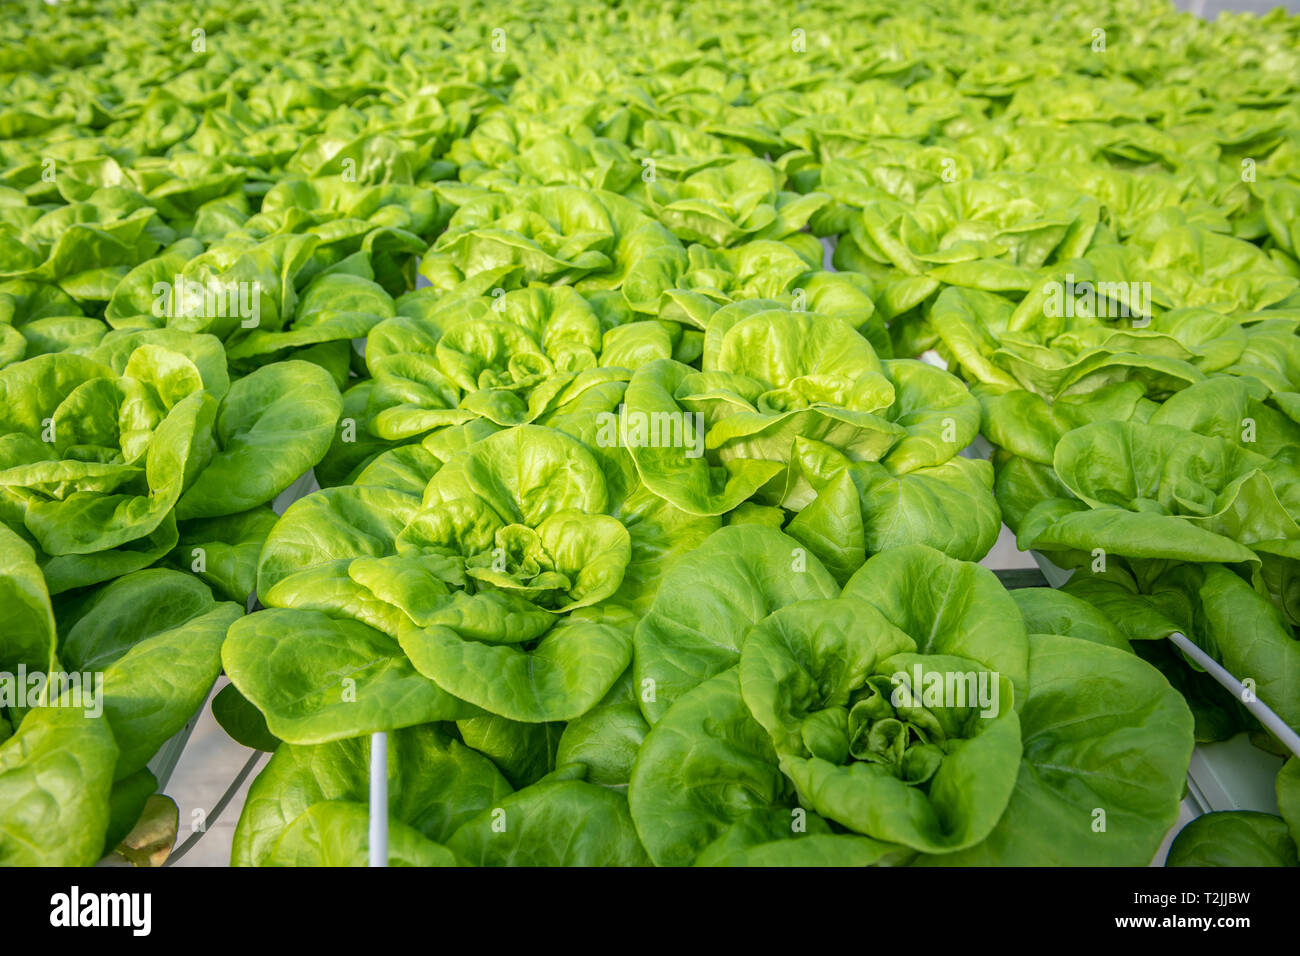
[(37, 318), (1074, 331), (332, 311), (84, 248), (308, 311), (1269, 361), (1197, 266), (544, 148), (897, 171), (103, 456), (111, 674), (1032, 346), (228, 289), (447, 801), (758, 269), (1054, 392), (1209, 475), (558, 234), (485, 572), (390, 222), (811, 726), (991, 234), (678, 147), (789, 283), (839, 119), (1129, 201), (509, 358), (1148, 503), (176, 188), (515, 357), (1160, 491), (1110, 317), (798, 411), (732, 203)]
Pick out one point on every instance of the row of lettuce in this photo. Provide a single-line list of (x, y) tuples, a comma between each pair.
[(632, 514)]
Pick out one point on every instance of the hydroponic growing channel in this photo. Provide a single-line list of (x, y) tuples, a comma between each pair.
[(603, 410)]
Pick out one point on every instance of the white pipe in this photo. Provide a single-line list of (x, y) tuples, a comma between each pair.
[(379, 799), (1274, 724)]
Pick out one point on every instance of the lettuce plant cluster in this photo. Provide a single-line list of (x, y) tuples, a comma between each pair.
[(643, 530)]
